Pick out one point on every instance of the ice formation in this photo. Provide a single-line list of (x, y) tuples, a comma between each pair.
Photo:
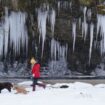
[(84, 24), (58, 51), (1, 39), (52, 17), (101, 27), (42, 19), (18, 31), (43, 15), (15, 28), (6, 31), (91, 40), (74, 34)]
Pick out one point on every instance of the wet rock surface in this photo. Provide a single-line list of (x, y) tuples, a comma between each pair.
[(65, 36)]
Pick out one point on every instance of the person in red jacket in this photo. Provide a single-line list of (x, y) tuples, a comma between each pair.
[(36, 73)]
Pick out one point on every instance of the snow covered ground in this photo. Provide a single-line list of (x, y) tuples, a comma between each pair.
[(77, 93)]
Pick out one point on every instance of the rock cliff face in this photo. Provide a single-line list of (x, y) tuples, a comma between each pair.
[(66, 36)]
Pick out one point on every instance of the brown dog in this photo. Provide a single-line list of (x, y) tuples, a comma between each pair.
[(6, 85), (20, 89)]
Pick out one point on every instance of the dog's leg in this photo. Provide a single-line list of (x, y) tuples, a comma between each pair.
[(16, 93), (9, 89), (42, 85)]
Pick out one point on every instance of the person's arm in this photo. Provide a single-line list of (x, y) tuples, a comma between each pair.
[(33, 71)]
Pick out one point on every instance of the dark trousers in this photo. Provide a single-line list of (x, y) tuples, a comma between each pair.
[(35, 82)]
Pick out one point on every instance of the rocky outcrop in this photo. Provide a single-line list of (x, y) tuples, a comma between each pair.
[(72, 36)]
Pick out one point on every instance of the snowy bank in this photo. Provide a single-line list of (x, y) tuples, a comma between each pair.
[(77, 93)]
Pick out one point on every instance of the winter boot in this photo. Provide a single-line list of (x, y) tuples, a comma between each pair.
[(33, 88)]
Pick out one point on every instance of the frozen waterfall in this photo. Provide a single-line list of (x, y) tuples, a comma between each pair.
[(15, 28), (43, 15), (58, 64), (18, 31), (58, 51)]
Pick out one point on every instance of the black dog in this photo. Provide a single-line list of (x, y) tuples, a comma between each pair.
[(6, 85)]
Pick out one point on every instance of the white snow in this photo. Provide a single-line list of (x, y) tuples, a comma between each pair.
[(77, 93)]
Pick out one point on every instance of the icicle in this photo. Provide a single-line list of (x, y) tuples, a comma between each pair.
[(82, 29), (54, 46), (6, 31), (84, 25), (14, 25), (58, 51), (52, 20), (89, 13), (59, 6), (91, 41), (98, 29), (66, 50), (18, 31), (101, 26), (15, 4), (79, 23), (70, 4), (42, 18), (74, 34), (98, 24), (1, 39), (103, 32)]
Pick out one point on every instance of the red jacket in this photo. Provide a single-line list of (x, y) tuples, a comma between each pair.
[(36, 70)]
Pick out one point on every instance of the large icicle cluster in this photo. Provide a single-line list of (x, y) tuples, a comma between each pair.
[(44, 14), (57, 50), (87, 15), (15, 28), (18, 31)]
